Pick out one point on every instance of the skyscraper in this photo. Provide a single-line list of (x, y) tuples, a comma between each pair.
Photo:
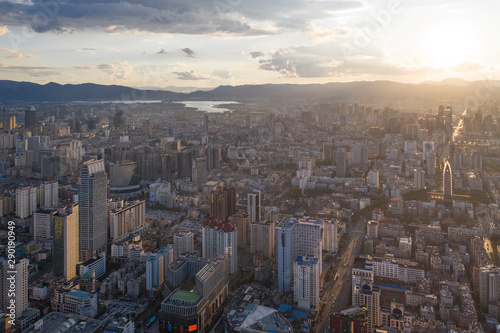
[(253, 206), (17, 275), (93, 209), (263, 238), (296, 238), (223, 203), (26, 201), (419, 179), (205, 123), (66, 241), (183, 242), (306, 274), (341, 157), (30, 117), (42, 224), (448, 184), (199, 170), (220, 239)]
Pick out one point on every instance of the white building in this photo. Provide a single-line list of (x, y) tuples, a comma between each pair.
[(253, 206), (295, 238), (49, 194), (419, 179), (331, 236), (26, 201), (220, 239), (183, 242), (156, 268), (14, 276), (306, 272), (97, 265), (125, 217), (76, 301)]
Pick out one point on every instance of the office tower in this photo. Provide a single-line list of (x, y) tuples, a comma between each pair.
[(49, 194), (147, 128), (306, 272), (17, 275), (341, 157), (412, 131), (66, 241), (92, 197), (419, 179), (53, 166), (364, 292), (213, 155), (295, 238), (448, 184), (205, 123), (220, 239), (253, 206), (199, 170), (330, 236), (372, 229), (263, 238), (30, 117), (223, 203), (328, 152), (242, 222), (9, 122), (26, 201), (184, 164), (489, 287), (183, 242), (373, 178), (358, 155), (43, 220), (125, 217), (155, 271)]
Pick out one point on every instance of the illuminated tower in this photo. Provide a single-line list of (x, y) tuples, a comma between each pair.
[(448, 184)]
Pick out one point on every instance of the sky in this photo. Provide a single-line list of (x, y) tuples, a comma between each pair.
[(207, 43)]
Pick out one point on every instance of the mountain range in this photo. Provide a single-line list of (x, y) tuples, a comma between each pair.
[(449, 89)]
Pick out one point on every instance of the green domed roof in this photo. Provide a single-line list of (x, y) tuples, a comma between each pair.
[(86, 276)]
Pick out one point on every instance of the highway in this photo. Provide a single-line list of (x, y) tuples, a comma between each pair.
[(337, 293)]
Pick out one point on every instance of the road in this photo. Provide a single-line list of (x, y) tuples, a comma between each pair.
[(337, 293)]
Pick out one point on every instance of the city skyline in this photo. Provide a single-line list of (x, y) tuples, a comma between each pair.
[(229, 42)]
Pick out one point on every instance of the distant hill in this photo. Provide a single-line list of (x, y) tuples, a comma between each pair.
[(450, 89)]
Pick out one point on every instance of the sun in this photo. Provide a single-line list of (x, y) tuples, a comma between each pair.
[(448, 44)]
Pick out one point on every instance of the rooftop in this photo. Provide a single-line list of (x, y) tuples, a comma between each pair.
[(183, 295)]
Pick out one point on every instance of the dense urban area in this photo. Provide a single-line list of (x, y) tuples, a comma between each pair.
[(290, 216)]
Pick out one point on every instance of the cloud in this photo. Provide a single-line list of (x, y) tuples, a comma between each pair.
[(13, 54), (94, 50), (256, 54), (162, 51), (190, 76), (188, 52), (117, 70), (223, 74), (466, 67), (195, 17), (3, 30), (35, 71)]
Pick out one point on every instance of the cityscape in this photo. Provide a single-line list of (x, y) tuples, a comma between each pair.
[(224, 167)]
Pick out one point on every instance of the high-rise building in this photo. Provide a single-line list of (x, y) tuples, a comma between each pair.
[(155, 271), (43, 220), (49, 194), (9, 122), (263, 238), (373, 178), (253, 206), (66, 242), (419, 179), (26, 201), (183, 242), (125, 217), (306, 272), (295, 238), (184, 164), (199, 170), (18, 276), (341, 157), (53, 166), (328, 152), (448, 184), (364, 292), (242, 222), (330, 236), (489, 286), (223, 203), (92, 198), (30, 118), (213, 155), (205, 123), (220, 239), (147, 128)]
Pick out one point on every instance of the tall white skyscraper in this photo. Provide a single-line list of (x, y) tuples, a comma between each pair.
[(253, 206), (26, 201), (17, 275), (220, 239), (183, 242), (155, 271), (330, 236), (295, 238), (306, 272), (92, 199)]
